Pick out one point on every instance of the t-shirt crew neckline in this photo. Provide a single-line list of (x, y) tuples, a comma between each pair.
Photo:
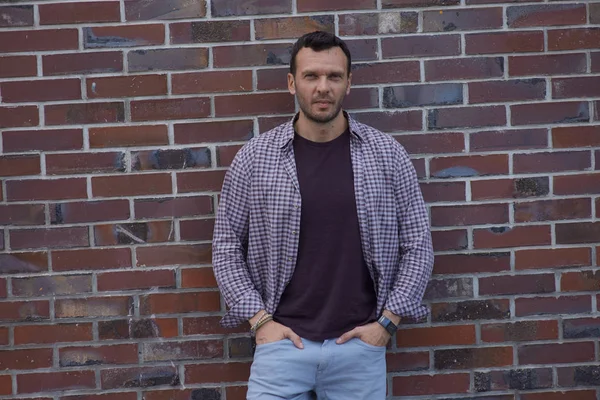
[(309, 142)]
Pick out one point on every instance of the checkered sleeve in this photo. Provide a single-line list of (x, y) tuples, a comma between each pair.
[(230, 243), (416, 258)]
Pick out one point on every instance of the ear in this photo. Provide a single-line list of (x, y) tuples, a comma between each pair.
[(349, 83), (291, 83)]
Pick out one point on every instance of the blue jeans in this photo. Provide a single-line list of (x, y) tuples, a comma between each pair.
[(353, 370)]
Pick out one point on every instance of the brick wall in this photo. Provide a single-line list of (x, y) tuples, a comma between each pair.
[(118, 120)]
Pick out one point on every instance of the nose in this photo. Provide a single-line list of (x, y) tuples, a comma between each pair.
[(323, 86)]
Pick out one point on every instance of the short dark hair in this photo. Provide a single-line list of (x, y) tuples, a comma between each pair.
[(318, 41)]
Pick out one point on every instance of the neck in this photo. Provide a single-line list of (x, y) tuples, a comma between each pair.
[(320, 132)]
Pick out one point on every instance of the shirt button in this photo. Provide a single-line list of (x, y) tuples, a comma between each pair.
[(289, 258), (294, 232)]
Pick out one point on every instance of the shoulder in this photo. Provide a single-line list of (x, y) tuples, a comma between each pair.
[(385, 145), (263, 146)]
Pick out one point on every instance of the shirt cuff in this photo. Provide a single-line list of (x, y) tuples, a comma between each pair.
[(406, 308), (243, 310)]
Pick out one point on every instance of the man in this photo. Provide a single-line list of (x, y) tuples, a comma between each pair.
[(322, 240)]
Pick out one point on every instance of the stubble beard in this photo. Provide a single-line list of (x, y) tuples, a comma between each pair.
[(321, 119)]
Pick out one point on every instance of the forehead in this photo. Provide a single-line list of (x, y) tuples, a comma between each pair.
[(332, 59)]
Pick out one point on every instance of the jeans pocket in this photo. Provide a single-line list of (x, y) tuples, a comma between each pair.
[(369, 346)]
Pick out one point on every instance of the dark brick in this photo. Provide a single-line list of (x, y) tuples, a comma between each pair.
[(171, 159), (51, 285), (449, 240), (547, 64), (595, 13), (213, 373), (134, 233), (208, 326), (516, 285), (316, 5), (418, 3), (595, 61), (553, 305), (201, 229), (89, 211), (551, 210), (167, 59), (473, 358), (551, 162), (240, 347), (504, 237), (462, 20), (470, 310), (557, 353), (573, 39), (361, 98), (505, 91), (138, 328), (515, 379), (363, 49), (509, 188), (449, 288), (179, 303), (14, 16), (139, 377), (84, 113), (521, 331), (443, 191), (188, 350), (549, 113), (292, 27), (421, 46), (186, 108), (413, 361), (509, 139), (254, 104), (471, 263), (464, 68), (225, 8), (98, 355), (209, 31), (389, 72), (378, 23), (136, 280), (422, 95), (546, 15), (82, 63), (504, 42), (18, 263), (588, 375), (182, 394), (469, 215), (123, 36), (252, 55), (467, 117), (581, 328), (562, 395), (141, 10), (463, 166), (391, 121), (22, 214)]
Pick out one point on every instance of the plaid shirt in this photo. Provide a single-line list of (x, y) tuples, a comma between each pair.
[(255, 242)]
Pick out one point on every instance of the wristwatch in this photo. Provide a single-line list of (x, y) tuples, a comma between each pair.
[(388, 325)]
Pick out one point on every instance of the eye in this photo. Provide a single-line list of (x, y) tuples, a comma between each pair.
[(310, 76)]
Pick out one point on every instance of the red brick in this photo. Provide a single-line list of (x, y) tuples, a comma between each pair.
[(534, 235), (19, 165), (91, 259), (137, 328), (516, 284), (292, 27), (392, 121), (254, 104), (89, 211), (363, 49), (577, 184), (6, 385), (361, 98), (98, 355), (432, 143), (420, 385), (212, 82), (594, 13), (200, 181), (176, 303), (84, 163), (172, 255), (213, 131), (71, 13), (386, 72), (131, 185), (51, 285), (49, 237), (25, 359), (208, 326), (17, 263), (315, 5), (268, 123), (514, 139), (14, 16), (42, 140), (251, 55), (443, 191), (141, 10), (134, 233), (583, 232), (56, 381), (576, 136), (449, 240), (153, 110), (414, 361), (226, 154), (505, 91), (551, 162), (188, 350), (120, 378), (467, 117), (573, 39), (421, 46), (210, 31), (553, 305), (127, 86), (167, 59), (547, 64), (123, 136), (20, 116), (198, 229), (556, 353), (595, 57), (580, 281), (436, 336), (562, 395), (18, 66), (46, 189), (563, 88), (123, 36), (91, 307), (41, 90), (198, 278), (504, 42), (520, 331), (377, 23), (553, 258), (49, 334), (470, 358), (84, 113), (464, 68), (418, 3), (209, 373), (546, 15), (225, 8), (38, 40), (173, 207), (30, 310), (134, 280), (446, 167), (549, 210), (469, 215), (466, 19), (471, 263), (82, 63)]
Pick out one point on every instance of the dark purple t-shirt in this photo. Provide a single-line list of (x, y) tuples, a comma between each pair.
[(331, 291)]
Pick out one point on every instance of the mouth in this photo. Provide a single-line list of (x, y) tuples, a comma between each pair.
[(323, 103)]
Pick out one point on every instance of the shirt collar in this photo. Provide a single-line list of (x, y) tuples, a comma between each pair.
[(287, 131)]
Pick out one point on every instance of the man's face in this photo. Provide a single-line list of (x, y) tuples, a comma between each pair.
[(321, 82)]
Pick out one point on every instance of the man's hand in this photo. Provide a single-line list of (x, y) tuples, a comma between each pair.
[(373, 334), (273, 331)]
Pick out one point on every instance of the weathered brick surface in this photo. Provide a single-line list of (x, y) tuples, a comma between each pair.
[(119, 119)]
